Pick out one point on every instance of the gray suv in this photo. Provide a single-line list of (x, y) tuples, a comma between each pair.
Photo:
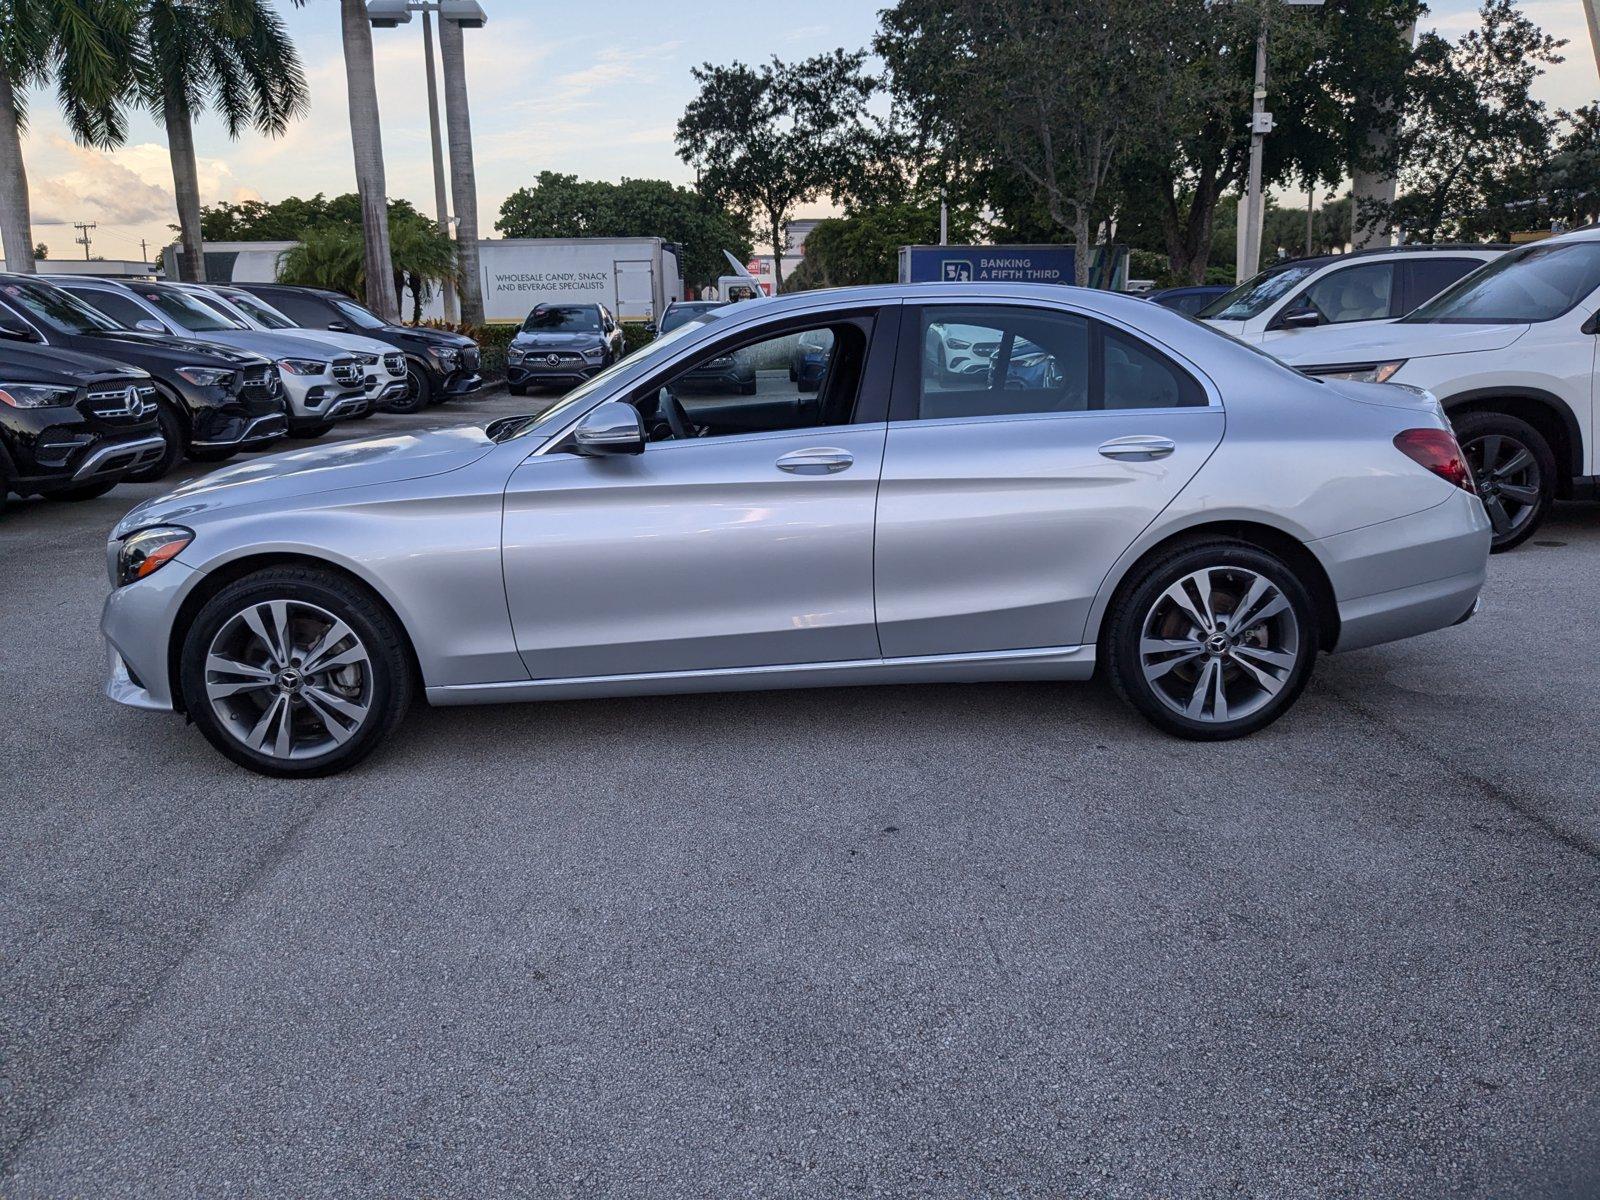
[(561, 345)]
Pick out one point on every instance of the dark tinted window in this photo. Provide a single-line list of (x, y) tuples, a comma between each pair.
[(56, 309), (1427, 277), (1137, 376), (303, 310), (123, 311), (682, 314), (1538, 283)]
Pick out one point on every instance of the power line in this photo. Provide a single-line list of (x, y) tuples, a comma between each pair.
[(83, 238)]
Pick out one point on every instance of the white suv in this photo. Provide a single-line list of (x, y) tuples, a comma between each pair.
[(1340, 289), (1510, 351)]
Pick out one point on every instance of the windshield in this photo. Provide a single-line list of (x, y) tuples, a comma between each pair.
[(362, 317), (258, 311), (1537, 284), (508, 428), (1257, 294), (57, 310), (185, 311), (563, 318), (682, 314), (221, 307)]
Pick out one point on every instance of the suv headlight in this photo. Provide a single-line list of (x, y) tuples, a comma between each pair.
[(303, 366), (515, 355), (595, 353), (36, 395), (148, 550), (205, 376), (1380, 372), (444, 356)]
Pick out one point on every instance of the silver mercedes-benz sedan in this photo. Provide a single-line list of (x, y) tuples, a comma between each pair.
[(1091, 481)]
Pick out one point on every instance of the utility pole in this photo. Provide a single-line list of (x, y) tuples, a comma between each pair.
[(944, 219), (1311, 212), (144, 255), (441, 201), (83, 239)]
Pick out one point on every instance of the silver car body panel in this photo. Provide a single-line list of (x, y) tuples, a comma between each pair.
[(520, 573)]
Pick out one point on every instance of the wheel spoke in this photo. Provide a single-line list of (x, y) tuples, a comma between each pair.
[(1276, 604), (1179, 595), (1519, 494), (331, 637), (252, 618), (283, 743), (318, 702), (355, 712), (1179, 650), (1491, 451), (1219, 697), (1268, 682), (256, 739), (1261, 594), (1273, 658), (232, 666), (1202, 689), (1520, 461), (1498, 517)]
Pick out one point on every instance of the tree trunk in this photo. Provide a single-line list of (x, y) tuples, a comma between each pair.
[(777, 253), (463, 182), (367, 139), (186, 187), (1080, 234), (452, 311), (16, 222)]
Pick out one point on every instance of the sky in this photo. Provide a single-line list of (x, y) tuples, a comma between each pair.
[(584, 90)]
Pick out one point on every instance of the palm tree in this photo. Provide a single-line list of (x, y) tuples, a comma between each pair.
[(82, 45), (423, 257), (366, 139), (233, 56)]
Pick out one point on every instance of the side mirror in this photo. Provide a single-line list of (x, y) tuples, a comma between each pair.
[(1300, 318), (338, 327), (615, 427), (650, 329), (148, 325)]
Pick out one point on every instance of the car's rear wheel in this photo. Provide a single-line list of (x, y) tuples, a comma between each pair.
[(1515, 470), (1213, 641), (295, 672)]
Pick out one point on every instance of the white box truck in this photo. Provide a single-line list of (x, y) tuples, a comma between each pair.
[(636, 278)]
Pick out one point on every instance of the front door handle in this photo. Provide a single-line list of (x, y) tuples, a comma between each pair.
[(816, 461), (1141, 447)]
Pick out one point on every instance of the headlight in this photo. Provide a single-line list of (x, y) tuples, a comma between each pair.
[(147, 551), (1367, 373), (205, 376), (36, 395), (514, 355), (303, 366), (444, 356), (595, 354)]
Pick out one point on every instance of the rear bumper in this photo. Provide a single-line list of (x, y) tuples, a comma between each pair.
[(1408, 576)]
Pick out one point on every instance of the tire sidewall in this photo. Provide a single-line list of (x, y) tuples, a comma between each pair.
[(1473, 425), (423, 394), (391, 680), (1126, 625), (172, 432)]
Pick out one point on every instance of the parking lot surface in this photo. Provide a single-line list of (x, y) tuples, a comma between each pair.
[(952, 941)]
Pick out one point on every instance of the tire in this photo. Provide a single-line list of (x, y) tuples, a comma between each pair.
[(1515, 470), (1163, 684), (84, 491), (419, 392), (517, 389), (373, 676), (172, 431)]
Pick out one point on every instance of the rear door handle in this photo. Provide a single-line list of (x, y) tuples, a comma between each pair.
[(816, 461), (1141, 447)]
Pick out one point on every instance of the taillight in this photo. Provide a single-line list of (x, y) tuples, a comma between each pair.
[(1438, 450)]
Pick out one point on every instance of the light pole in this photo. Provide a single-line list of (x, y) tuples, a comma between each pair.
[(1260, 126), (389, 14)]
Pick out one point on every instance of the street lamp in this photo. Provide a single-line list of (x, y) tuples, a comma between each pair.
[(1260, 126), (466, 14)]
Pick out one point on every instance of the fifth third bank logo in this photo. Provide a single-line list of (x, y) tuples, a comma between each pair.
[(956, 271)]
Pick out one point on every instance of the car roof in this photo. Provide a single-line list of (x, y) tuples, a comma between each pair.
[(1321, 260)]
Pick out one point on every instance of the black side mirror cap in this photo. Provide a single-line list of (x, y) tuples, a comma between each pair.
[(1300, 318), (1592, 325)]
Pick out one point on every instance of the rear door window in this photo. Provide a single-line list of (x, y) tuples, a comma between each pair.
[(1425, 278)]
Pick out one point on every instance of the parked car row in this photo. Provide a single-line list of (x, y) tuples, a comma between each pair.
[(103, 380)]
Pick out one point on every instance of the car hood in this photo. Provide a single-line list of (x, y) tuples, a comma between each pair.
[(23, 364), (350, 343), (166, 348), (422, 336), (1332, 344), (297, 473), (554, 341), (273, 345)]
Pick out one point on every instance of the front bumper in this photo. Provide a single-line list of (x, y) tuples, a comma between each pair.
[(462, 383), (538, 372), (119, 457), (136, 623), (239, 430), (1407, 576)]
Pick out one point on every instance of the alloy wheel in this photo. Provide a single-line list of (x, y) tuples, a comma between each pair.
[(1219, 644), (288, 679), (1509, 481)]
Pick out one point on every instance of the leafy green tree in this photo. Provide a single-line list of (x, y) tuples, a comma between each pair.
[(566, 206), (41, 252), (1053, 94), (1473, 139), (864, 247), (231, 56), (1570, 181), (766, 139), (81, 46), (327, 256)]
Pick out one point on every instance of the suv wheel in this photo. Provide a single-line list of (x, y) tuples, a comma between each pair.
[(1213, 641), (295, 672), (1515, 470), (172, 432), (419, 391)]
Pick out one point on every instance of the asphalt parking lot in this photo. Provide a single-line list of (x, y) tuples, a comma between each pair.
[(959, 941)]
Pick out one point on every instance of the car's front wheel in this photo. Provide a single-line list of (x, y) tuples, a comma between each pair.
[(1213, 641), (295, 672), (419, 392)]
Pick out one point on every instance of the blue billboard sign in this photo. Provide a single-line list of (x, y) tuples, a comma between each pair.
[(1003, 264)]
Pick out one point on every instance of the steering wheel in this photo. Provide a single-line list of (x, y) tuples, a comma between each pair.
[(677, 417)]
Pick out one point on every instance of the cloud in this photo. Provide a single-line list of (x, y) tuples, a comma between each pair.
[(94, 186)]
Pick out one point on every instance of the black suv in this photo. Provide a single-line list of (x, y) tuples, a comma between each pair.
[(562, 345), (211, 402), (440, 365), (72, 426)]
